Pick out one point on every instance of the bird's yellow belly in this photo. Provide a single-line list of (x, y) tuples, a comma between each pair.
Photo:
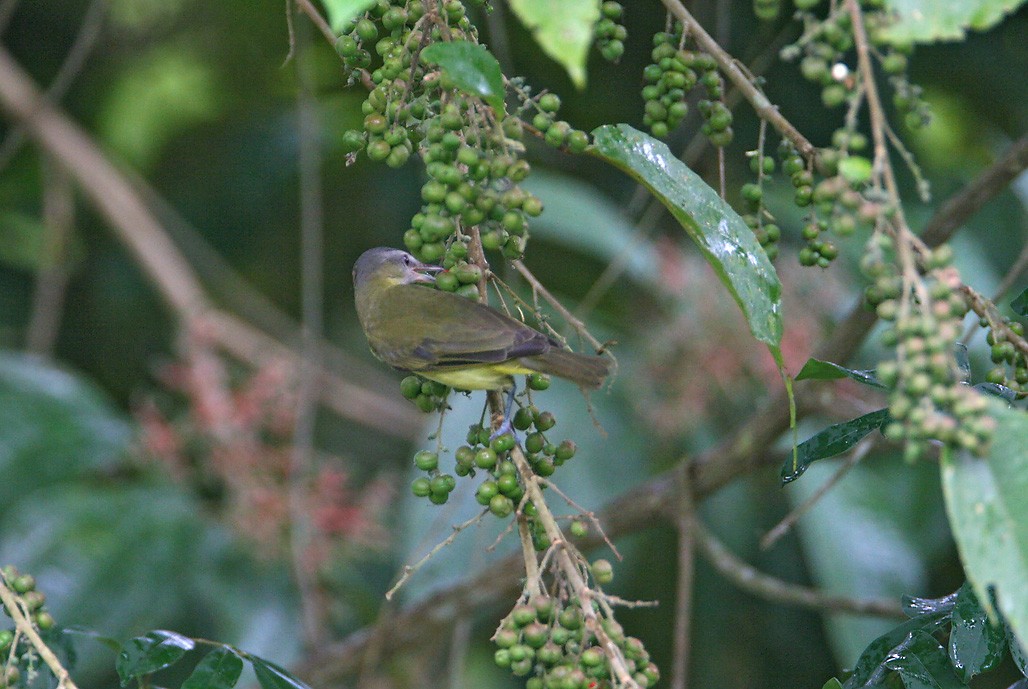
[(478, 376)]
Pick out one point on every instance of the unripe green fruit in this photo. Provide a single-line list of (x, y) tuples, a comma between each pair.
[(602, 571), (426, 460), (534, 443), (485, 458), (501, 506), (538, 381), (447, 282), (486, 492), (421, 487), (545, 421), (549, 102)]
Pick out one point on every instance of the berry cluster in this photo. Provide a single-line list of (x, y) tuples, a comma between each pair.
[(610, 32), (472, 154), (32, 604), (427, 395), (757, 216), (929, 397), (502, 490), (673, 73), (1005, 354), (551, 640)]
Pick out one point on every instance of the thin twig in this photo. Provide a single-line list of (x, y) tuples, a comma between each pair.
[(410, 570), (89, 32), (591, 516), (574, 322), (24, 626), (764, 108), (302, 464), (775, 590), (789, 521), (52, 277), (684, 585)]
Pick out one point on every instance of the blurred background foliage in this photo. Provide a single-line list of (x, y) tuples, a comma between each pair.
[(199, 100)]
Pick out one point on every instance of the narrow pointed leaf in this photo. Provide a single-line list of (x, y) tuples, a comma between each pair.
[(471, 68), (219, 669), (923, 664), (833, 683), (1017, 652), (151, 652), (988, 512), (271, 676), (976, 644), (815, 369), (831, 441), (563, 29), (342, 12), (727, 244)]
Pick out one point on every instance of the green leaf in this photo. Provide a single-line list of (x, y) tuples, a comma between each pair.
[(855, 169), (21, 240), (913, 607), (727, 244), (151, 652), (54, 427), (1020, 303), (815, 369), (926, 21), (988, 513), (894, 641), (563, 29), (271, 676), (219, 669), (833, 683), (975, 644), (342, 12), (1017, 652), (107, 641), (831, 441), (471, 68), (923, 664)]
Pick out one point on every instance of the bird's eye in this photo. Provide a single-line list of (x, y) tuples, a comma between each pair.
[(406, 261)]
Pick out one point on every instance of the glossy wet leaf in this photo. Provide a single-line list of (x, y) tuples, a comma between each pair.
[(151, 652), (988, 513), (1020, 303), (927, 21), (342, 12), (219, 669), (963, 361), (881, 649), (815, 369), (833, 683), (923, 664), (1017, 652), (471, 68), (727, 244), (914, 607), (107, 641), (997, 390), (831, 441), (563, 29), (975, 644), (271, 676)]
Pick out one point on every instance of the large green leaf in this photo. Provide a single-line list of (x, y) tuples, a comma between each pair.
[(471, 68), (342, 12), (988, 512), (926, 21), (219, 669), (151, 652), (726, 242), (54, 427), (976, 644), (563, 29)]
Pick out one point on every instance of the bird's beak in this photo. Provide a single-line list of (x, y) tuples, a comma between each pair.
[(423, 272)]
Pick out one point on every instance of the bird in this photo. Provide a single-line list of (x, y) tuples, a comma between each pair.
[(450, 339)]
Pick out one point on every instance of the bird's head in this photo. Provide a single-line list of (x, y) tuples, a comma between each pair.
[(385, 267)]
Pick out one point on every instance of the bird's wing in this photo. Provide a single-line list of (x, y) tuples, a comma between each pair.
[(474, 333)]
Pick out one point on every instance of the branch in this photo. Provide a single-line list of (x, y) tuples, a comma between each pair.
[(161, 260), (764, 108), (23, 625), (775, 590)]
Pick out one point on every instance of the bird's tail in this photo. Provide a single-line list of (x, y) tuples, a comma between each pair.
[(587, 371)]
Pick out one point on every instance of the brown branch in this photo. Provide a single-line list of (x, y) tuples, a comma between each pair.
[(684, 588), (764, 108), (160, 259), (775, 590), (24, 626), (52, 278), (956, 211)]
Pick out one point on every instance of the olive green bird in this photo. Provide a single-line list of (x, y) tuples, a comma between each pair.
[(448, 338)]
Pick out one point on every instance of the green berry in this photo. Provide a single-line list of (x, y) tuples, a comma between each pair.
[(421, 487), (426, 460), (485, 458)]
